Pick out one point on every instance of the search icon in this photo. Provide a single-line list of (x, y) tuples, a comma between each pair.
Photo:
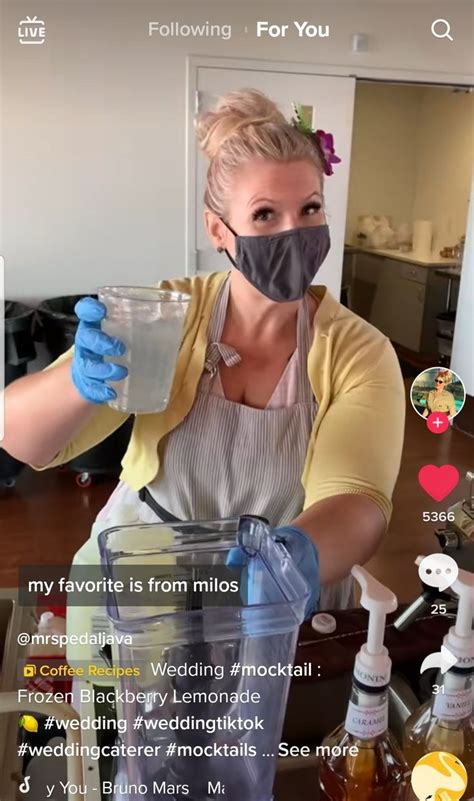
[(445, 32)]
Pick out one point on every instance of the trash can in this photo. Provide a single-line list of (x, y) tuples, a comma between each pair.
[(57, 323), (19, 350), (445, 323), (56, 326)]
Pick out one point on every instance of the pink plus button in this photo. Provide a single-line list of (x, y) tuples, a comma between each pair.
[(437, 422)]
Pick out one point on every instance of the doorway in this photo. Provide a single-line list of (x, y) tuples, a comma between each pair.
[(409, 192)]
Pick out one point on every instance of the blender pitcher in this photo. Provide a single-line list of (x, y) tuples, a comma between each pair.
[(200, 659)]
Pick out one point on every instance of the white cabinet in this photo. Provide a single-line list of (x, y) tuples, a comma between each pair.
[(397, 308), (400, 298)]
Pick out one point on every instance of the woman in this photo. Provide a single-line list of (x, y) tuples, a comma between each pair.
[(284, 404), (439, 399)]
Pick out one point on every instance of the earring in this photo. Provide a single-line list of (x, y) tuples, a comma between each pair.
[(220, 249)]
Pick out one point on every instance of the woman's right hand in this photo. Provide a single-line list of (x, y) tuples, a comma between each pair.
[(89, 370)]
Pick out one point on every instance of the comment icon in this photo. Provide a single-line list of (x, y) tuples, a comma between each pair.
[(437, 570)]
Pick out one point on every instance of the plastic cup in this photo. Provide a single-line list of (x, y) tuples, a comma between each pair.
[(150, 322)]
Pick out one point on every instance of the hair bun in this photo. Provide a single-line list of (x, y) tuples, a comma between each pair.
[(234, 111)]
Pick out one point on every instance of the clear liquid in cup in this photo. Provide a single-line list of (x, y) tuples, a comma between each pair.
[(151, 329)]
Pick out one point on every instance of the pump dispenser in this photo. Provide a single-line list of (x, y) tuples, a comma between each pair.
[(365, 762), (460, 637), (446, 721), (373, 665)]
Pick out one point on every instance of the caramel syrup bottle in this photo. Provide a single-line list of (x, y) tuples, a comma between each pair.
[(364, 762), (378, 772), (446, 722)]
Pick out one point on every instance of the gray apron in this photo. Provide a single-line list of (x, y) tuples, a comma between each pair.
[(226, 459)]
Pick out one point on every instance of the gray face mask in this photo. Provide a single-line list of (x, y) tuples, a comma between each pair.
[(283, 265)]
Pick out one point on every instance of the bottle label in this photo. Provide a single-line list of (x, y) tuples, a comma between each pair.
[(366, 722), (453, 705)]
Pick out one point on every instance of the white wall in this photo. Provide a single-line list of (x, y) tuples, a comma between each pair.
[(412, 154), (94, 122), (444, 157), (462, 361), (383, 165)]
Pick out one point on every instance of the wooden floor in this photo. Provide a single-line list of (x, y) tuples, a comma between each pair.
[(45, 518)]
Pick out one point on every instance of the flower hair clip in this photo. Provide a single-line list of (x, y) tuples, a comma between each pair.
[(322, 140)]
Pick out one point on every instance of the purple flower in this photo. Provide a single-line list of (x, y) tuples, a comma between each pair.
[(326, 143)]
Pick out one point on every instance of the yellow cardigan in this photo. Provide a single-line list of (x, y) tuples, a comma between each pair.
[(356, 441)]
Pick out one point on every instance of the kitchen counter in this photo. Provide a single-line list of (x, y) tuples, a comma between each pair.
[(435, 261), (398, 294), (450, 272)]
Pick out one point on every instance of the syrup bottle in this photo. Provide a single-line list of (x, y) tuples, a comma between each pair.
[(376, 770), (446, 722)]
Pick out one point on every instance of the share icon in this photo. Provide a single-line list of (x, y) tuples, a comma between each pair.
[(444, 660)]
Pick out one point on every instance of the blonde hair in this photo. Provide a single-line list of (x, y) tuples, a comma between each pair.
[(445, 375), (247, 125)]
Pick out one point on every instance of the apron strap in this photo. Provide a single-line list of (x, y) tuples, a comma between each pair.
[(214, 352), (146, 497), (166, 517)]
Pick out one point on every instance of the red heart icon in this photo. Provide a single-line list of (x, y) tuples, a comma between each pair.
[(438, 482)]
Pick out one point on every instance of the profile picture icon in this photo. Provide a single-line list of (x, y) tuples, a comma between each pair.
[(439, 776), (437, 390)]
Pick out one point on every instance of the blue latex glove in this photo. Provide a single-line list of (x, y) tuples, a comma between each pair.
[(304, 554), (89, 370)]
